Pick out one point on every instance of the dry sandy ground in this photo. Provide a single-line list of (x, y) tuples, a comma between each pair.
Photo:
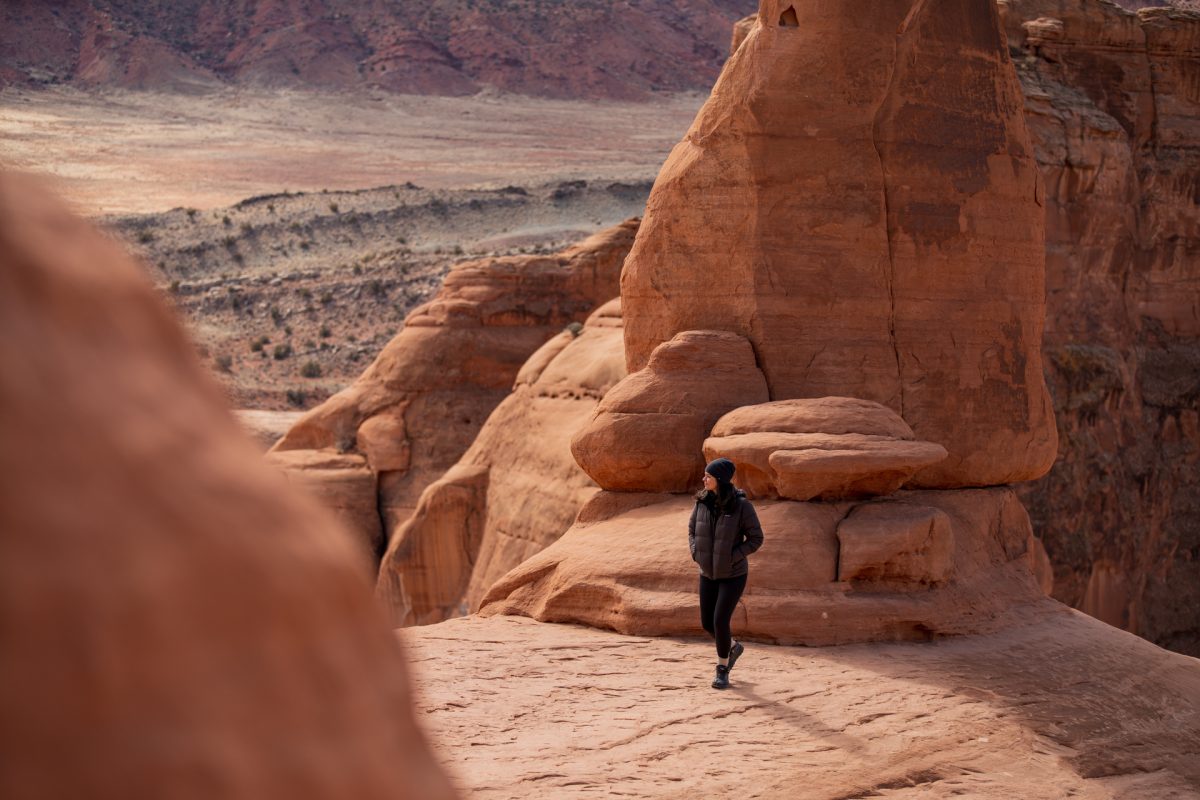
[(128, 152), (1058, 706)]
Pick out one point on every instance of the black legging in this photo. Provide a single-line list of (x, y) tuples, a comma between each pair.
[(718, 599)]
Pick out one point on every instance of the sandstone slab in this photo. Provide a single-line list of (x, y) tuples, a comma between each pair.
[(830, 448), (1056, 705), (631, 573)]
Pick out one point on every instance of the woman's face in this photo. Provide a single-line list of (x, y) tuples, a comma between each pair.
[(710, 482)]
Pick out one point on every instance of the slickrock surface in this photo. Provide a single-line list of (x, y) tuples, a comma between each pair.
[(624, 566), (859, 198), (515, 491), (1112, 109), (647, 432), (174, 622), (415, 411), (831, 448), (1058, 705)]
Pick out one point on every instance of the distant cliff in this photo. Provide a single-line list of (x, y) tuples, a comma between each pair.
[(595, 49)]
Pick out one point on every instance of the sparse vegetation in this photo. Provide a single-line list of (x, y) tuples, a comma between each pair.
[(224, 363), (333, 207), (295, 397), (325, 332), (145, 237), (226, 221), (258, 344), (282, 351), (311, 369)]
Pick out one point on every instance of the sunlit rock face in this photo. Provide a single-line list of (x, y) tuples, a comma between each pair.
[(859, 198)]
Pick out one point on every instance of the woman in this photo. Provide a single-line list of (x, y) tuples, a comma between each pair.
[(723, 531)]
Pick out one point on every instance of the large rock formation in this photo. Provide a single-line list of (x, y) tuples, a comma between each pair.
[(415, 411), (173, 621), (1112, 106), (859, 198), (515, 491), (847, 278)]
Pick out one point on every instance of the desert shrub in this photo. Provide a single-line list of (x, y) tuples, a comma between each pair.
[(276, 315), (326, 298), (333, 207), (226, 221), (258, 344), (224, 363), (295, 397), (358, 269), (247, 228), (306, 293), (325, 332), (575, 328), (191, 213), (311, 369), (145, 237), (282, 351), (175, 286)]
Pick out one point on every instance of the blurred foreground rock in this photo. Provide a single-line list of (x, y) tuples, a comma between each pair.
[(173, 621)]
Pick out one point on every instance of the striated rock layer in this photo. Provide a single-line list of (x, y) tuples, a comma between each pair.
[(859, 198), (414, 412), (910, 566), (517, 488), (174, 622), (1112, 104)]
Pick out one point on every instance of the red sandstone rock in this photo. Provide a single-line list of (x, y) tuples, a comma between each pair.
[(1057, 705), (895, 542), (415, 411), (174, 622), (342, 483), (831, 448), (631, 573), (859, 199), (648, 430), (515, 491)]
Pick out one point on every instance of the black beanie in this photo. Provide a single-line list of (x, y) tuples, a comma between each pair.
[(722, 469)]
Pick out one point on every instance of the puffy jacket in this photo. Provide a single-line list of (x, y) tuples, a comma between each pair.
[(722, 539)]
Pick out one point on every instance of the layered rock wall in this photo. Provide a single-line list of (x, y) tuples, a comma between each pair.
[(1113, 106), (414, 412), (514, 491)]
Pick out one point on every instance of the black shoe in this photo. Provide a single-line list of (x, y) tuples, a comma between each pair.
[(734, 652), (722, 679)]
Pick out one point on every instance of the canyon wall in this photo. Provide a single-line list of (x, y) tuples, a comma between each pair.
[(1112, 100)]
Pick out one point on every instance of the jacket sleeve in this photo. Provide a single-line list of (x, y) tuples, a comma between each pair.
[(751, 529), (692, 531)]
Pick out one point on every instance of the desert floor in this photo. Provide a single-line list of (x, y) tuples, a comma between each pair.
[(1058, 705), (138, 152)]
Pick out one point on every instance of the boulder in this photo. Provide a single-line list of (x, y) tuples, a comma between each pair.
[(831, 448), (859, 198), (515, 491), (631, 572), (175, 621), (648, 431), (419, 406)]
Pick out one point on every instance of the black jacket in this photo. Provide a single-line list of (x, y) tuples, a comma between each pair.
[(721, 539)]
